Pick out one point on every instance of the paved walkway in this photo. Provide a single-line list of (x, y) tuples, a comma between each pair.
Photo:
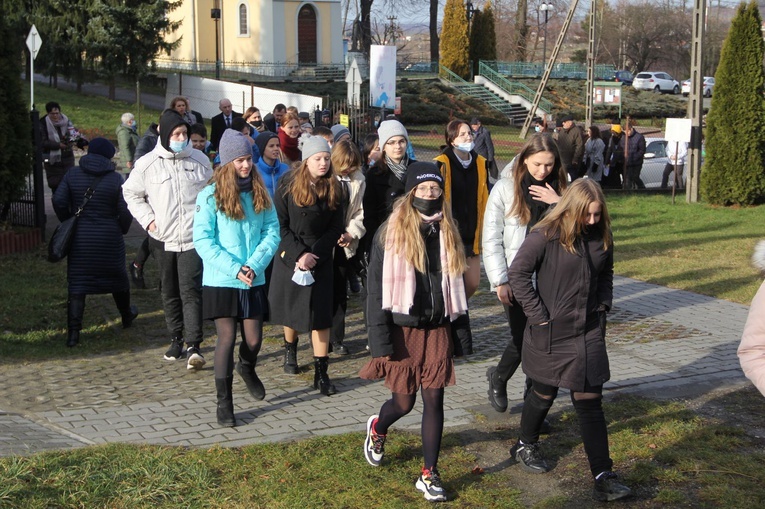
[(660, 341)]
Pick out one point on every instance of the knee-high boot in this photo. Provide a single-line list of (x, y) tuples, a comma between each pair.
[(75, 308), (225, 410), (290, 357), (321, 379)]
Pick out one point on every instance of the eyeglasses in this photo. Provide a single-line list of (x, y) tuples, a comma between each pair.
[(431, 190), (400, 143)]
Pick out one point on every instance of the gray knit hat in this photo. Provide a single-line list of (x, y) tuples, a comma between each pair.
[(313, 145), (339, 130), (233, 145), (390, 128)]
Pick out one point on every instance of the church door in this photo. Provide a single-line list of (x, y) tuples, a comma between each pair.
[(307, 35)]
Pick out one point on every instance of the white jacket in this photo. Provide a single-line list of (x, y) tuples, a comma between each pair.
[(354, 215), (163, 188), (751, 351), (502, 234)]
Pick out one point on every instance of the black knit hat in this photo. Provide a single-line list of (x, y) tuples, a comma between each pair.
[(262, 140), (420, 172)]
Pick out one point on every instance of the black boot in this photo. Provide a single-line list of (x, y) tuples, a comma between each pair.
[(73, 339), (321, 380), (339, 348), (497, 390), (290, 358), (75, 308), (225, 411), (247, 371)]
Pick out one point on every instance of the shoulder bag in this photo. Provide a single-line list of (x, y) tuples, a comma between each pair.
[(61, 240)]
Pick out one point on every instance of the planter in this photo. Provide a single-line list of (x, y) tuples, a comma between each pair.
[(19, 242)]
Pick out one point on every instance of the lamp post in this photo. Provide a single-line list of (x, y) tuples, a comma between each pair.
[(469, 11), (545, 7), (215, 14)]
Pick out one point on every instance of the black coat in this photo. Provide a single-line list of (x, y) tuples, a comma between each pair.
[(147, 142), (383, 188), (570, 348), (314, 229), (96, 262), (270, 122), (428, 309), (218, 125), (54, 172)]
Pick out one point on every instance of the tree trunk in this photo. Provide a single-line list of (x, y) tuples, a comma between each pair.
[(434, 31), (112, 88), (521, 30), (366, 25)]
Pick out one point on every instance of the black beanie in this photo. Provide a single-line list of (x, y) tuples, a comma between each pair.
[(420, 172), (169, 120), (262, 140)]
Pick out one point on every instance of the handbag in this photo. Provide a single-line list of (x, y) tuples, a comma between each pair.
[(61, 240)]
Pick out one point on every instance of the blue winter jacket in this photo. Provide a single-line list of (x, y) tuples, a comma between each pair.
[(226, 245), (271, 174)]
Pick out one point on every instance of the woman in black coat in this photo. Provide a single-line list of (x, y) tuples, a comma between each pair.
[(96, 261), (308, 204), (571, 252)]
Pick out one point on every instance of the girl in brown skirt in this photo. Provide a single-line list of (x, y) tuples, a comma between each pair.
[(416, 289)]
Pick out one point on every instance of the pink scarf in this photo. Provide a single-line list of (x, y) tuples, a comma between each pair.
[(399, 282)]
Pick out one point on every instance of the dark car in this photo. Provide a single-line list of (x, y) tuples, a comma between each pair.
[(623, 77)]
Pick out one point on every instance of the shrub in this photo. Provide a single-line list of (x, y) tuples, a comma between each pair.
[(454, 39)]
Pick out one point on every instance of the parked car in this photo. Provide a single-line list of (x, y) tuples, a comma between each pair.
[(709, 85), (654, 161), (657, 82), (623, 76)]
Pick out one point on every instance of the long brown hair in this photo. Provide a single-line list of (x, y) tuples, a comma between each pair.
[(539, 142), (403, 227), (305, 193), (227, 191), (345, 156), (568, 218)]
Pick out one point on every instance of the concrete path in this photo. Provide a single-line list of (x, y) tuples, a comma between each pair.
[(660, 341)]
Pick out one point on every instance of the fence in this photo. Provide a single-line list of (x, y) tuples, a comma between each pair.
[(29, 209)]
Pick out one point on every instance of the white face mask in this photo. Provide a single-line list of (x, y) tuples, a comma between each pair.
[(465, 147), (538, 128)]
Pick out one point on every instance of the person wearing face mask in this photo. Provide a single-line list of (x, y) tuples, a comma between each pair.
[(466, 191), (415, 289), (236, 233), (516, 203), (161, 194), (309, 205), (255, 121), (562, 276)]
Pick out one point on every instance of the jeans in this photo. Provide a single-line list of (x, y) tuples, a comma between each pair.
[(181, 276), (632, 177), (669, 168)]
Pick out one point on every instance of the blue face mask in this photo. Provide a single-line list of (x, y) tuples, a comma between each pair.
[(178, 146), (538, 128), (465, 147), (377, 123)]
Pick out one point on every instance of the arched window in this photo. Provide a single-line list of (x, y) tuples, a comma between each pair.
[(244, 25), (307, 30)]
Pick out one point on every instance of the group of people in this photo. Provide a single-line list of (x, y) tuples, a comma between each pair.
[(256, 239)]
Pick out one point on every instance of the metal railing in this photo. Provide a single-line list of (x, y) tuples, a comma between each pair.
[(559, 70), (256, 71), (511, 87)]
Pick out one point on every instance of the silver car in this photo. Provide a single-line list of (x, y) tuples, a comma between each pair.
[(657, 82), (654, 161)]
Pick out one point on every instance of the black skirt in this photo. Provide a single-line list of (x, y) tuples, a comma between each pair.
[(222, 302)]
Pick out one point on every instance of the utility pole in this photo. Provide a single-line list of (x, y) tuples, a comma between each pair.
[(392, 29), (696, 101), (590, 67)]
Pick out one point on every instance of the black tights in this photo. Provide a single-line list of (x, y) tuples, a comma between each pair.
[(252, 338), (432, 419)]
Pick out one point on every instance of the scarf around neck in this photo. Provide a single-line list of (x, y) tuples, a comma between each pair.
[(536, 207), (399, 281), (245, 184), (398, 169), (53, 134)]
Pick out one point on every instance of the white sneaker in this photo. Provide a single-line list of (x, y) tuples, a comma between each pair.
[(429, 483), (194, 358)]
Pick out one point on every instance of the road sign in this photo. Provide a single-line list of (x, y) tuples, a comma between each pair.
[(34, 42)]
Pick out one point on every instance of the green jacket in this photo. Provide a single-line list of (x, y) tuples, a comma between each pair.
[(127, 139)]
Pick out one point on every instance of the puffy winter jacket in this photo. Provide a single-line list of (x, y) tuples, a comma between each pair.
[(502, 234)]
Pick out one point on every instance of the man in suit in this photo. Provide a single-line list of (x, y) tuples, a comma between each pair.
[(274, 120), (222, 121)]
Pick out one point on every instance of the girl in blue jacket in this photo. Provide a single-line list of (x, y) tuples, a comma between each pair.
[(269, 166), (236, 233)]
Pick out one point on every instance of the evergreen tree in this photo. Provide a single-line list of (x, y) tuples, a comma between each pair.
[(483, 38), (454, 39), (15, 128), (734, 169)]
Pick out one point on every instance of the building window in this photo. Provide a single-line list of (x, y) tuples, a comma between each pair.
[(244, 26)]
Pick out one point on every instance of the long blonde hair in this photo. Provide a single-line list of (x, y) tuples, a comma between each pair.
[(568, 218), (305, 193), (401, 232), (227, 191), (541, 142)]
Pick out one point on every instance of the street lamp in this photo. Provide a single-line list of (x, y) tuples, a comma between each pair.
[(470, 10), (546, 7), (215, 14)]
